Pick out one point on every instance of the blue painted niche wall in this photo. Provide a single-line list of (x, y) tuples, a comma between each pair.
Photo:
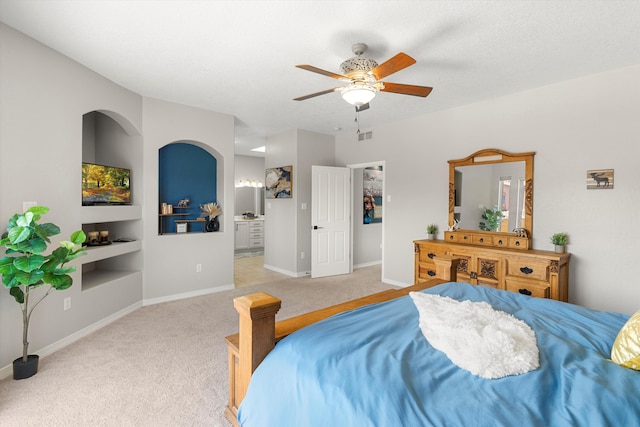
[(186, 170)]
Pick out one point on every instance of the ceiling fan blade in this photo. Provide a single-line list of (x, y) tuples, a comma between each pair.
[(395, 64), (422, 91), (311, 95), (323, 72)]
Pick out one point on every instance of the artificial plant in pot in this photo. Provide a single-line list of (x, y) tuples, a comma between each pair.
[(559, 240), (25, 268), (432, 231)]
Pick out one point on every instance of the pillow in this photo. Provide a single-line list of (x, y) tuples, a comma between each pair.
[(626, 347)]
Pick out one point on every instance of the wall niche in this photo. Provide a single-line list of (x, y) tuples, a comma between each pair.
[(186, 171)]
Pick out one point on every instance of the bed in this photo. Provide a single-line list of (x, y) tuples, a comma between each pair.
[(373, 366)]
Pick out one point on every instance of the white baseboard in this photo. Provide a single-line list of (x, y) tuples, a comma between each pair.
[(396, 283), (367, 264), (184, 295), (285, 272), (7, 371)]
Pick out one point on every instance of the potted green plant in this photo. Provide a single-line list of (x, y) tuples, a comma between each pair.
[(432, 231), (492, 219), (559, 240), (25, 268)]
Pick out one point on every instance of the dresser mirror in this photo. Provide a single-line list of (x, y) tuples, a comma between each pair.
[(492, 191)]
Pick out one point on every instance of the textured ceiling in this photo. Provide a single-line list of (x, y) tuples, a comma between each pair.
[(238, 57)]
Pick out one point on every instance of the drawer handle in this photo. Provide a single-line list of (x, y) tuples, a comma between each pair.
[(482, 240), (517, 243), (500, 241), (524, 291), (431, 273), (450, 237), (526, 270), (431, 255), (465, 237)]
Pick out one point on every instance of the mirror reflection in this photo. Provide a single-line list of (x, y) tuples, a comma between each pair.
[(249, 199), (490, 197)]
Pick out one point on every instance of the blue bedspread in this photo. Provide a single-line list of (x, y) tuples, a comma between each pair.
[(373, 367)]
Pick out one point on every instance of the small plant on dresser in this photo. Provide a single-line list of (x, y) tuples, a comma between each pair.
[(559, 240), (432, 231)]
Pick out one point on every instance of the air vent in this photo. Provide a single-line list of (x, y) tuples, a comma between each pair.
[(365, 136)]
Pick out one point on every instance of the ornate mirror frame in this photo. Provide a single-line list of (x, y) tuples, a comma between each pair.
[(519, 239)]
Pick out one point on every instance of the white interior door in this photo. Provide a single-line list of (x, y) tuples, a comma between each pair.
[(331, 222)]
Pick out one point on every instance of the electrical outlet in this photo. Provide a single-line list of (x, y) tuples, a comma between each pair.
[(67, 303), (198, 268)]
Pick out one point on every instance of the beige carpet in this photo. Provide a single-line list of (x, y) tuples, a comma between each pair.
[(162, 365)]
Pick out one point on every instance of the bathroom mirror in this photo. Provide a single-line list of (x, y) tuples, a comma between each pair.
[(492, 190)]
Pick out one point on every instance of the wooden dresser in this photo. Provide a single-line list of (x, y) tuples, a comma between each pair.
[(543, 274)]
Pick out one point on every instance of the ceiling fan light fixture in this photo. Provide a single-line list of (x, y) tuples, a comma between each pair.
[(358, 94)]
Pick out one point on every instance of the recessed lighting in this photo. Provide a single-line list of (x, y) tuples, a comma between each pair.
[(260, 149)]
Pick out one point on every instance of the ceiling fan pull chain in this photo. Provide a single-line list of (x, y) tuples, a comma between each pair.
[(357, 122)]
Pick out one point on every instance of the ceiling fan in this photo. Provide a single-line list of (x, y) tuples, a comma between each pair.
[(364, 75)]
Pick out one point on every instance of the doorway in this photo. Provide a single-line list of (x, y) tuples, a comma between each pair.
[(368, 235)]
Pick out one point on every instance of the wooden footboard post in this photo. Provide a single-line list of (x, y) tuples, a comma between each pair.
[(256, 337)]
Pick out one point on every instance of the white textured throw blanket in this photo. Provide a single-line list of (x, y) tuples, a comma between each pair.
[(477, 338)]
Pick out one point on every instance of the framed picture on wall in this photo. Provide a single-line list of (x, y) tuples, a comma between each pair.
[(600, 179), (278, 182), (372, 179)]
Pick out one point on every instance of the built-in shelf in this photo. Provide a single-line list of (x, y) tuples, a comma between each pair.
[(96, 278), (117, 266), (99, 253)]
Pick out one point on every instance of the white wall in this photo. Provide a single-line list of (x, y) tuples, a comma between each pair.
[(313, 149), (43, 96), (172, 258), (287, 225), (587, 123)]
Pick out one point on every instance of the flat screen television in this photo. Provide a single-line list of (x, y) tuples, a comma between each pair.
[(105, 185)]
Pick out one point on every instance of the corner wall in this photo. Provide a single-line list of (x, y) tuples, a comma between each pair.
[(287, 224)]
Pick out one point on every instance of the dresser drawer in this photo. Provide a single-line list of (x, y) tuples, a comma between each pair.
[(529, 287), (528, 268), (427, 253), (478, 239), (457, 237), (426, 270), (519, 242)]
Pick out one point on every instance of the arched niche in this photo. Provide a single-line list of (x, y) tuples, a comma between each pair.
[(108, 138), (188, 170)]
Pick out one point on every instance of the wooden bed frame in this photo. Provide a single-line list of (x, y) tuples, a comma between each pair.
[(259, 332)]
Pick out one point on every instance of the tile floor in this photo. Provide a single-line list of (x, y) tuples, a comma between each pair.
[(249, 271)]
